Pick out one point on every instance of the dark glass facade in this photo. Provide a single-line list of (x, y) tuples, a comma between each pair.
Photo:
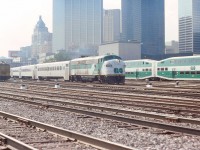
[(189, 26), (144, 21), (77, 24)]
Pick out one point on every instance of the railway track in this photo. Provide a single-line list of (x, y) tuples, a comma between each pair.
[(174, 105), (156, 90), (33, 135), (40, 102), (43, 102)]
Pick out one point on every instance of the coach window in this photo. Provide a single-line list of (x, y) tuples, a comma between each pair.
[(193, 72), (198, 72), (162, 69), (181, 72), (166, 69), (158, 69), (187, 72)]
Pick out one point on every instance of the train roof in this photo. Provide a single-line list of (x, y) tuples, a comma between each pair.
[(92, 57), (54, 63), (149, 60), (184, 57)]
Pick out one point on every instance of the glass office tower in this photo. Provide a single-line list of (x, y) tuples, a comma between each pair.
[(111, 25), (189, 26), (144, 21), (77, 24)]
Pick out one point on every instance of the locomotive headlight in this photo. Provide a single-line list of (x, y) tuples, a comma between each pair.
[(108, 65)]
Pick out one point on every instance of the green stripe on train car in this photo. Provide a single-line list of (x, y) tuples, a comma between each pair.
[(179, 74), (138, 75)]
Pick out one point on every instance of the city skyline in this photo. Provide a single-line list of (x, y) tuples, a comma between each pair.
[(17, 26)]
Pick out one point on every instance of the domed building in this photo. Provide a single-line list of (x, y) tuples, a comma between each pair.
[(41, 39)]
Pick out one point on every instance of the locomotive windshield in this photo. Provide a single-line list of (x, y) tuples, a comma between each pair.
[(110, 57)]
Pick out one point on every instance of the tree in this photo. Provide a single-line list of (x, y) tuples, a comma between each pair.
[(49, 60), (62, 56)]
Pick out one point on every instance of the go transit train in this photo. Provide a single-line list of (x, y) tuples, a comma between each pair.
[(105, 69), (175, 68)]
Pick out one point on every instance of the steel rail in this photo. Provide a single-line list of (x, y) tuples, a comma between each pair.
[(131, 87), (99, 143), (125, 119), (9, 141), (125, 95), (152, 91), (88, 106), (141, 83), (176, 110), (165, 102)]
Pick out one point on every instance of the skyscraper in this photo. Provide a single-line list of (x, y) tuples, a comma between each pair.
[(189, 26), (143, 21), (111, 25), (77, 24), (41, 39)]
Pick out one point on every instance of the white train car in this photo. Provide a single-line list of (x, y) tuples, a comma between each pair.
[(29, 72), (56, 70), (15, 72)]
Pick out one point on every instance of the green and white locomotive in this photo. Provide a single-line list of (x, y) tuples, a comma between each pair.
[(140, 69), (105, 69), (179, 68)]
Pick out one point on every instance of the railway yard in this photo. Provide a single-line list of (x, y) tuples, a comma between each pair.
[(61, 115)]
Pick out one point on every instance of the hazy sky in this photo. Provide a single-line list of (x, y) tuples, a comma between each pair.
[(19, 17)]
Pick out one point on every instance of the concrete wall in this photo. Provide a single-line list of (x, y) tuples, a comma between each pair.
[(127, 51)]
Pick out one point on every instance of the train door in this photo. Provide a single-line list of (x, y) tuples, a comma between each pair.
[(35, 72), (174, 73), (20, 76), (137, 74), (154, 69), (67, 71)]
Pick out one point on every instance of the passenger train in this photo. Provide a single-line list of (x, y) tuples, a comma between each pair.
[(175, 68), (140, 69), (105, 69), (179, 68), (4, 71)]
